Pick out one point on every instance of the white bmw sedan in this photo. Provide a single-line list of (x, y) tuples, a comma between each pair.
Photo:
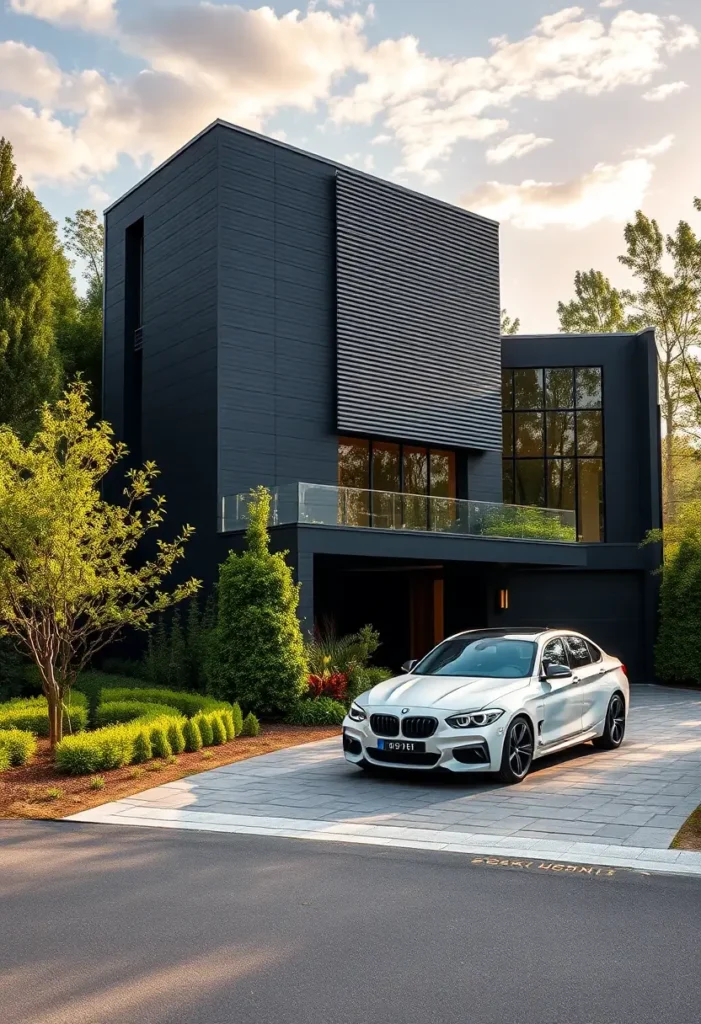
[(491, 700)]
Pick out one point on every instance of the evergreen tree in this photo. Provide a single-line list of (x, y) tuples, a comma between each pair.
[(36, 296), (260, 647), (177, 673)]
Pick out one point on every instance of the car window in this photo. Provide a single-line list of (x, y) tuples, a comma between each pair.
[(578, 651), (554, 653), (489, 657), (594, 651)]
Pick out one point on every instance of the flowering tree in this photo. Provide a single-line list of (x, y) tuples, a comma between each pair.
[(71, 576)]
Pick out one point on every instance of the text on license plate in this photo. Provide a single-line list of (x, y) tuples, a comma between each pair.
[(406, 746)]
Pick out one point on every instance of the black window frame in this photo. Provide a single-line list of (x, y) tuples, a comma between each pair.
[(544, 409)]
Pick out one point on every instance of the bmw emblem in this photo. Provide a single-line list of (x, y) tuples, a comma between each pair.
[(405, 711)]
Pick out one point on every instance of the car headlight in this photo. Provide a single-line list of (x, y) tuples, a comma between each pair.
[(356, 713), (474, 719)]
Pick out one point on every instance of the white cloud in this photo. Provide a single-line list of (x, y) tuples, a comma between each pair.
[(87, 14), (611, 3), (514, 147), (206, 60), (608, 192), (662, 92), (98, 195), (655, 148), (430, 103)]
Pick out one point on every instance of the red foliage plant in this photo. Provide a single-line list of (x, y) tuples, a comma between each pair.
[(333, 684)]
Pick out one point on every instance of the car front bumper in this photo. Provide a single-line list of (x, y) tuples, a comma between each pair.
[(455, 750)]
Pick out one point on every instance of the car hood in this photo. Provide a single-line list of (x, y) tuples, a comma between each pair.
[(451, 693)]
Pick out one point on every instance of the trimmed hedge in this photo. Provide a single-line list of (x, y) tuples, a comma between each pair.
[(193, 737), (116, 712), (218, 730), (159, 743), (19, 745), (111, 747), (188, 704), (175, 737), (238, 719), (32, 714), (320, 711), (205, 726), (4, 759)]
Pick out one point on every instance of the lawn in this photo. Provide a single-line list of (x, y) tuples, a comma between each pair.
[(38, 790)]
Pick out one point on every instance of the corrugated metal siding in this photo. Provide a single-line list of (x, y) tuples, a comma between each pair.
[(419, 352)]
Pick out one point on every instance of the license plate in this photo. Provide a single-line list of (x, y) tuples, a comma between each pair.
[(405, 746)]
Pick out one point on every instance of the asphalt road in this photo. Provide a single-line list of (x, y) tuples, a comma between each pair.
[(101, 924)]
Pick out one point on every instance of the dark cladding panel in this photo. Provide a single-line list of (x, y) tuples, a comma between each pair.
[(419, 353)]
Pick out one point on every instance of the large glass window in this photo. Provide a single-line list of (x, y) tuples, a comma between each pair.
[(398, 485), (554, 442)]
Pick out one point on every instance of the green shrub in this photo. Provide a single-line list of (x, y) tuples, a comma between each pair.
[(218, 729), (116, 711), (19, 744), (143, 750), (321, 711), (238, 719), (175, 737), (97, 782), (329, 653), (188, 704), (258, 639), (364, 679), (678, 647), (111, 747), (159, 743), (4, 759), (203, 724), (32, 714), (193, 737), (251, 725), (228, 723)]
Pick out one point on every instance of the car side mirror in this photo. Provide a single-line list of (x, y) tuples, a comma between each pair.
[(553, 671), (408, 665)]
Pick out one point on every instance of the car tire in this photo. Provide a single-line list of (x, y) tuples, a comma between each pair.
[(517, 752), (615, 726)]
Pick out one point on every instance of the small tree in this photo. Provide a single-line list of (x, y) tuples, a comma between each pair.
[(260, 648), (70, 577)]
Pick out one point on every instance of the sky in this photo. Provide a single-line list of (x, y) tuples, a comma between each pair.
[(558, 121)]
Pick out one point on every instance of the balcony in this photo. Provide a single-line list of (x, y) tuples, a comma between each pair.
[(325, 505)]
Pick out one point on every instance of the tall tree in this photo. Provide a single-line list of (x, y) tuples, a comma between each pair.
[(671, 303), (509, 326), (598, 306), (36, 294), (80, 335), (71, 573)]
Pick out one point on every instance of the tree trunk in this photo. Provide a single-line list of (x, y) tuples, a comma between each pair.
[(55, 718)]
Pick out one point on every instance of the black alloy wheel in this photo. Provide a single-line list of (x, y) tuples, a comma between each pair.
[(615, 728), (517, 755)]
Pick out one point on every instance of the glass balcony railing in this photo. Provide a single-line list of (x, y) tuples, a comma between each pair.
[(324, 505)]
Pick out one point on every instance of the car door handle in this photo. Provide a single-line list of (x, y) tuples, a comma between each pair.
[(575, 679), (602, 671)]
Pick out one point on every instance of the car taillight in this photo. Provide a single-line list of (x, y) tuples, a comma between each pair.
[(624, 670)]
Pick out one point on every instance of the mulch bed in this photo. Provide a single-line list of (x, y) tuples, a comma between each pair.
[(689, 835), (37, 790)]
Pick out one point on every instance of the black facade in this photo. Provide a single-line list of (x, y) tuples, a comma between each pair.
[(262, 303)]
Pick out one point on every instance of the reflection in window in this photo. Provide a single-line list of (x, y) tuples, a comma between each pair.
[(590, 511), (529, 433), (530, 482), (389, 484), (553, 445), (354, 472), (528, 389)]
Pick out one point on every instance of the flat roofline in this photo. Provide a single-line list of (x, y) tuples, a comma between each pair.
[(575, 336), (220, 123)]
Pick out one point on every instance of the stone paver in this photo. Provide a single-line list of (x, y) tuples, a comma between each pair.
[(636, 797)]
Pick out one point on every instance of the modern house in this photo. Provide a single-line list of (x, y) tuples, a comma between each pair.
[(274, 318)]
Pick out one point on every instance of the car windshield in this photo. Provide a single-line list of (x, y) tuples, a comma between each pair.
[(492, 657)]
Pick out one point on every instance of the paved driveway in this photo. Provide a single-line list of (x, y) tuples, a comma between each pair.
[(636, 797)]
